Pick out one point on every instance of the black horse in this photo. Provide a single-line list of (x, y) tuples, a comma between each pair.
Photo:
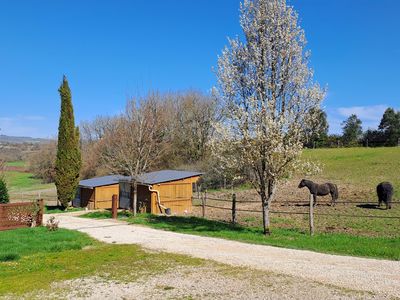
[(321, 190), (385, 194)]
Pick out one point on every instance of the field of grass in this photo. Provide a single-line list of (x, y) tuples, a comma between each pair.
[(335, 243), (18, 163), (21, 181), (45, 257), (359, 168), (23, 186)]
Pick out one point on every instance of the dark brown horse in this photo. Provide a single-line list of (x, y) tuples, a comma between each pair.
[(385, 194), (321, 190)]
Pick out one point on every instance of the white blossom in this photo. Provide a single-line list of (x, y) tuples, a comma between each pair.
[(267, 93)]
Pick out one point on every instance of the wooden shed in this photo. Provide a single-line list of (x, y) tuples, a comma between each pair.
[(96, 193), (157, 191)]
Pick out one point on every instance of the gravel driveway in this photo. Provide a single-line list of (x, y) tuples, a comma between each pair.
[(371, 275)]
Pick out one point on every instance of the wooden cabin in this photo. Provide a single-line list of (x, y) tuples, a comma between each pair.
[(156, 191), (96, 193)]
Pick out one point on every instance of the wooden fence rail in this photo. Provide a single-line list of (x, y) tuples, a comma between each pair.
[(24, 214), (310, 213)]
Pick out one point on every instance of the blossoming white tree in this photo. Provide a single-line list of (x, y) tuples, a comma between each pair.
[(267, 94)]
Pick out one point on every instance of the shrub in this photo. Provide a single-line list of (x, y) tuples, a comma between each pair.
[(52, 224), (4, 197)]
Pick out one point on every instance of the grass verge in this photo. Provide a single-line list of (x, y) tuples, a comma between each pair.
[(59, 210), (334, 243), (27, 241), (46, 257)]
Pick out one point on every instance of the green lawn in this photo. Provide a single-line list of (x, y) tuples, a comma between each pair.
[(45, 257), (22, 182), (363, 167), (18, 163), (27, 241), (335, 243)]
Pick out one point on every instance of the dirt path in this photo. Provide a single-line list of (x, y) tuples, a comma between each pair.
[(372, 275)]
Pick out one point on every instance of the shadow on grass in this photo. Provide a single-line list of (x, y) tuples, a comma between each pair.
[(60, 209), (369, 206), (195, 224)]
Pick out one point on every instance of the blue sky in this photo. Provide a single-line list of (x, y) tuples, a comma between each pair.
[(112, 50)]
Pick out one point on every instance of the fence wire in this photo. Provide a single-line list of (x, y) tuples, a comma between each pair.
[(294, 213)]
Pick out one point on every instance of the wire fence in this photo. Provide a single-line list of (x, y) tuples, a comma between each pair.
[(205, 200), (50, 198)]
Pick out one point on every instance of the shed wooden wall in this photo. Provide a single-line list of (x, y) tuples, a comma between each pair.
[(87, 198), (176, 195), (103, 195)]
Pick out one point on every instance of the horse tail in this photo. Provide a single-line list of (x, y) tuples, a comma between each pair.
[(335, 192)]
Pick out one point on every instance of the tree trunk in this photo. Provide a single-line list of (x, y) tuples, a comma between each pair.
[(134, 198), (265, 211), (266, 200)]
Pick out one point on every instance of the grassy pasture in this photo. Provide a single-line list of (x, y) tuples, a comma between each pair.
[(18, 163), (23, 182), (23, 186), (359, 169), (356, 171)]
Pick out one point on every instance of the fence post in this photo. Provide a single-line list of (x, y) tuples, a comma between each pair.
[(39, 215), (114, 206), (203, 205), (311, 216), (234, 209)]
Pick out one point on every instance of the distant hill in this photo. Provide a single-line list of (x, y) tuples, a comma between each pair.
[(21, 139)]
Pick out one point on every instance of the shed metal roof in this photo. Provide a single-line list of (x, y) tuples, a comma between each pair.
[(100, 181), (165, 176), (146, 178)]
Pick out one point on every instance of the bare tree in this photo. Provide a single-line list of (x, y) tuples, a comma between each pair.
[(137, 140), (43, 162), (268, 94), (96, 129), (92, 132), (194, 114)]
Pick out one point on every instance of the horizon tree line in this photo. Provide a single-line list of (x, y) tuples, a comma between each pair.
[(387, 133)]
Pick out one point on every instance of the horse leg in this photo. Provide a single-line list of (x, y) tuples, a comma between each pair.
[(315, 199), (333, 202)]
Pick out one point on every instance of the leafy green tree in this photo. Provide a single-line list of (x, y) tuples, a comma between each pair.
[(373, 138), (390, 126), (68, 162), (4, 197), (352, 130)]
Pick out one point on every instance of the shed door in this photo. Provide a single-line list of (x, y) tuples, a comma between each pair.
[(104, 195)]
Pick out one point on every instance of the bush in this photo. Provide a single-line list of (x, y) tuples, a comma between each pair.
[(4, 197), (52, 224)]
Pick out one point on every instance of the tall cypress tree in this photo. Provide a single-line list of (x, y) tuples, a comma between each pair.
[(68, 162)]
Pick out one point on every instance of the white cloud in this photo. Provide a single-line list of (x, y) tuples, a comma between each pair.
[(370, 115)]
